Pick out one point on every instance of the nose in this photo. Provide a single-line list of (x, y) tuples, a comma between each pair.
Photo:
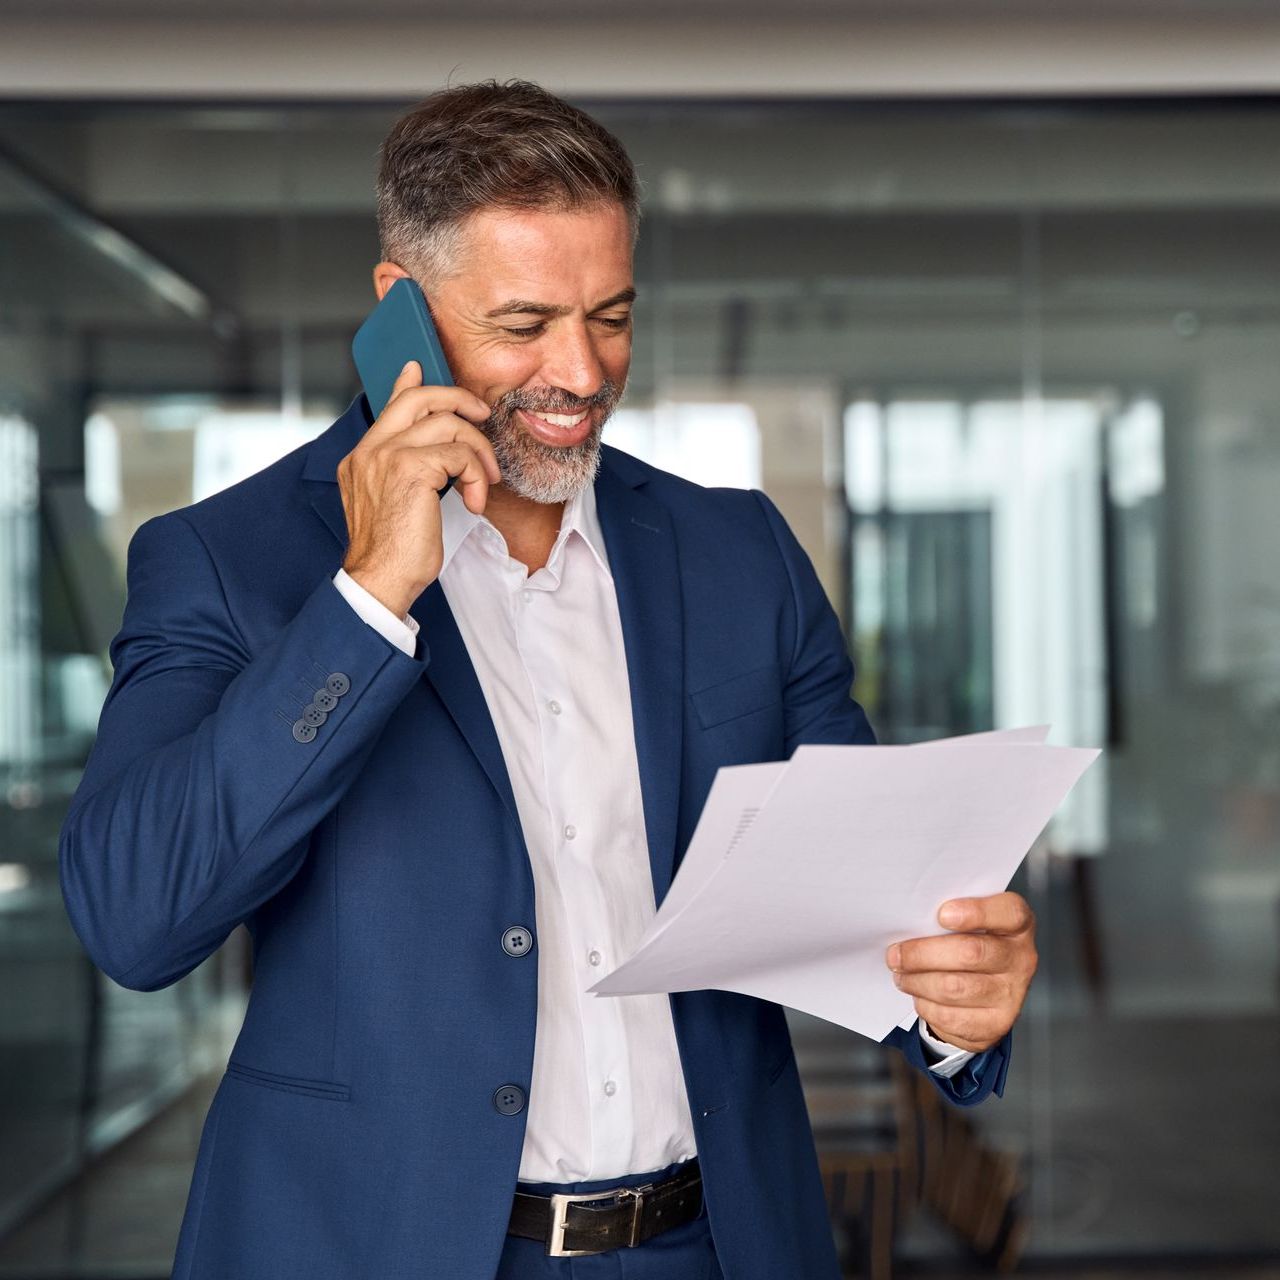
[(572, 362)]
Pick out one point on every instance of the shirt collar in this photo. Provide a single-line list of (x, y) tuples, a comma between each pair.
[(458, 523), (581, 517)]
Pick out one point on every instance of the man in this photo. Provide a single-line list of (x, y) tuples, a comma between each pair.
[(441, 757)]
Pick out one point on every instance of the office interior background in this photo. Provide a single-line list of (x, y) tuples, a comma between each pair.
[(987, 297)]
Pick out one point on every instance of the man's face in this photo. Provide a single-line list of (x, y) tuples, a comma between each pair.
[(536, 320)]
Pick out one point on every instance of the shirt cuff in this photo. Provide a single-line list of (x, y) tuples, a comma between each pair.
[(401, 632), (949, 1058)]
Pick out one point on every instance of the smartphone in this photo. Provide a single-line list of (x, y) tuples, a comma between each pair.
[(397, 330)]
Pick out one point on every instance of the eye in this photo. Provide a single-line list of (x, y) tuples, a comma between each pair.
[(615, 322), (531, 331)]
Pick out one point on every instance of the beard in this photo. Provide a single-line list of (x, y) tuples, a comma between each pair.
[(542, 472)]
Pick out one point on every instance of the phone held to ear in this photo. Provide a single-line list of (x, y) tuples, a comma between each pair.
[(397, 330)]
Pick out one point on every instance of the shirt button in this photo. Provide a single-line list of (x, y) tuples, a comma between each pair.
[(570, 831), (594, 957), (517, 941), (610, 1088), (528, 595), (554, 707)]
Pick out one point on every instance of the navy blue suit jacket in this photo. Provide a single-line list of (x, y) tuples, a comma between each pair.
[(355, 1132)]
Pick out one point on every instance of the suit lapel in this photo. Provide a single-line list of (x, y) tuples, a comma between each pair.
[(449, 671), (320, 469), (454, 679), (646, 573)]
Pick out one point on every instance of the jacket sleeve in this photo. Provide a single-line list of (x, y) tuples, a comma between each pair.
[(980, 1077), (820, 708), (200, 792)]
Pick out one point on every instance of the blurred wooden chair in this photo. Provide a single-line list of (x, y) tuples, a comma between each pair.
[(887, 1143)]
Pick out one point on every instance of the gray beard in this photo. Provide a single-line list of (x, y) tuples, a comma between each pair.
[(541, 472)]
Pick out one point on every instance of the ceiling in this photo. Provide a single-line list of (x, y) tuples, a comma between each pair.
[(665, 50), (551, 10)]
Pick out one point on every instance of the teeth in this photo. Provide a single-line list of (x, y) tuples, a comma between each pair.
[(563, 419)]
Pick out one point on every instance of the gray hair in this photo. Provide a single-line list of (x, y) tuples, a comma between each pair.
[(490, 146)]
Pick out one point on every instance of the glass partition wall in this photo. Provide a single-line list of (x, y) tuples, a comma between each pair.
[(83, 1063), (1012, 375)]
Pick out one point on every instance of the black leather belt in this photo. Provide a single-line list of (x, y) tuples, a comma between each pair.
[(625, 1216)]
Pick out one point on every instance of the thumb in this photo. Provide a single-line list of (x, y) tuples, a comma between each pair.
[(409, 376)]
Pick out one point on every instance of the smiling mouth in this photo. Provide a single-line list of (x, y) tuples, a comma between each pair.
[(565, 421), (559, 430)]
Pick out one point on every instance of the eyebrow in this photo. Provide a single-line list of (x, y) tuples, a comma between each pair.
[(520, 306)]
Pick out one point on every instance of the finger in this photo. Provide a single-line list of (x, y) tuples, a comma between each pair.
[(955, 990), (952, 952), (441, 428), (412, 402), (1000, 913), (473, 484), (409, 376), (460, 462), (976, 1029)]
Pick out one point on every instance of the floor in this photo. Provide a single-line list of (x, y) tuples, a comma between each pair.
[(1143, 1193), (119, 1222)]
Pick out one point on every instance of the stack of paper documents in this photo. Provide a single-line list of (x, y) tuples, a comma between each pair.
[(801, 873)]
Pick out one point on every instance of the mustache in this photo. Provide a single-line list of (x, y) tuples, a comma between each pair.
[(556, 400)]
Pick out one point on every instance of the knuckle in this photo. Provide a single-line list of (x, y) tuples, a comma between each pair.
[(974, 951), (954, 985)]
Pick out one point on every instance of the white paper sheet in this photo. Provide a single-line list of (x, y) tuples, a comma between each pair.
[(800, 874)]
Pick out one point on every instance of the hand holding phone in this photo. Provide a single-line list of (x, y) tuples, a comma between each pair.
[(391, 481), (399, 329)]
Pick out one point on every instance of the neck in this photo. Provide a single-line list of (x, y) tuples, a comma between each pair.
[(528, 528)]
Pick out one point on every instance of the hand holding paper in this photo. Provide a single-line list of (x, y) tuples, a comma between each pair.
[(801, 874), (969, 986)]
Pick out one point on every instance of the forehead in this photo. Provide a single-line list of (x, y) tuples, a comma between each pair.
[(545, 255)]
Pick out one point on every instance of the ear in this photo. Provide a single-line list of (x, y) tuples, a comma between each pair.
[(385, 274)]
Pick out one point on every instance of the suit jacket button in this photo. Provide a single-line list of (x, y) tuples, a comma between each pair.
[(517, 941), (337, 684), (302, 731), (314, 716), (509, 1100), (325, 700)]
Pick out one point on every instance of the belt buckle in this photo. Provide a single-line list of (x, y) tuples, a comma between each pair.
[(560, 1203)]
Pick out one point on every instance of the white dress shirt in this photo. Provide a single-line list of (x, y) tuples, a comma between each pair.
[(607, 1097)]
